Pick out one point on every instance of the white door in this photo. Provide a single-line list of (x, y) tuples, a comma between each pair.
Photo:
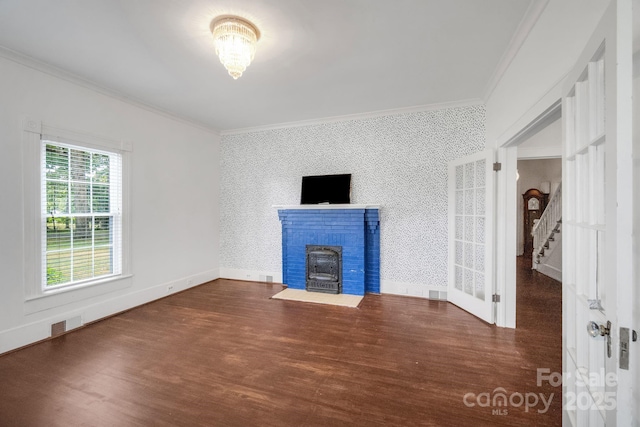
[(471, 187), (597, 226), (634, 380)]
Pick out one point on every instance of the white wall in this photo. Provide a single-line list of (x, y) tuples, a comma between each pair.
[(546, 143), (399, 162), (548, 53), (175, 193)]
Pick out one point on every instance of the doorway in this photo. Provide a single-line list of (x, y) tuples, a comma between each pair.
[(538, 139), (537, 183), (538, 178)]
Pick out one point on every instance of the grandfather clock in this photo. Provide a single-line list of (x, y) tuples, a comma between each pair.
[(534, 203)]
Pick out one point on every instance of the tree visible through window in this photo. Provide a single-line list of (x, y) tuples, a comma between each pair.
[(81, 207)]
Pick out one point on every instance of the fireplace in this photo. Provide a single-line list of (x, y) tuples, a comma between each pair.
[(324, 269), (353, 228)]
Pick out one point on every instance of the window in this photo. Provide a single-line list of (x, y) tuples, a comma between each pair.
[(77, 215), (81, 208)]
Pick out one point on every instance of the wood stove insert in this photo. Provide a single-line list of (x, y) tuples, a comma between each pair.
[(324, 269)]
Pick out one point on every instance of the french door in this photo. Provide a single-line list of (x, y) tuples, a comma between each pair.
[(471, 216), (597, 227)]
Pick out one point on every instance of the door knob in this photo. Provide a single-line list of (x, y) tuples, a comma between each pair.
[(596, 330)]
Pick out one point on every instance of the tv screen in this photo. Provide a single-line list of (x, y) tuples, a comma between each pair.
[(334, 189)]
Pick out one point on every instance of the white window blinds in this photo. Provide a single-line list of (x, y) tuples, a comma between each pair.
[(82, 214)]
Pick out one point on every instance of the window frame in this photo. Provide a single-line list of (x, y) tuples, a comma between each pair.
[(37, 295), (114, 212)]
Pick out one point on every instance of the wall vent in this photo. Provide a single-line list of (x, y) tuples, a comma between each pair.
[(63, 326), (58, 328), (438, 295)]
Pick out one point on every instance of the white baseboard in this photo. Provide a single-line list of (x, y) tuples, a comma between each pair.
[(30, 333), (413, 289), (251, 275), (386, 286), (550, 271)]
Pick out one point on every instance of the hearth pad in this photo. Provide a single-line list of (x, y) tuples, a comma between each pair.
[(344, 300)]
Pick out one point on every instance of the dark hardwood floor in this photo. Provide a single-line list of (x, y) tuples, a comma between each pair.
[(225, 354)]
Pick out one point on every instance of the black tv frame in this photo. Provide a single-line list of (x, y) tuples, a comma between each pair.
[(326, 189)]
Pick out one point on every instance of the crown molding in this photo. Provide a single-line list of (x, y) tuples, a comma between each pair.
[(59, 73), (529, 20), (548, 116), (357, 116)]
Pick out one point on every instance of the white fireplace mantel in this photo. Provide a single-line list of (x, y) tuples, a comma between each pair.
[(328, 206)]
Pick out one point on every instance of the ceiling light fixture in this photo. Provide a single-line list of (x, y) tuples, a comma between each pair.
[(235, 41)]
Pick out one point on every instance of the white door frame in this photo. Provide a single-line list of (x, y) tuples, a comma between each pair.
[(539, 116)]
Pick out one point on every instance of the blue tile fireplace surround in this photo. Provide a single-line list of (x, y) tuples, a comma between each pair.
[(355, 228)]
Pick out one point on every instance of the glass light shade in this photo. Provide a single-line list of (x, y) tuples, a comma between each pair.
[(235, 42)]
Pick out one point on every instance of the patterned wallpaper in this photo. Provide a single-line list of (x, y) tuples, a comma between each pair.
[(396, 161)]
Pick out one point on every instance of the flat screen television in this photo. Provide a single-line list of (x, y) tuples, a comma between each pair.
[(333, 189)]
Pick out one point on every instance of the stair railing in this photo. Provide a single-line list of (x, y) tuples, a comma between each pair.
[(547, 224)]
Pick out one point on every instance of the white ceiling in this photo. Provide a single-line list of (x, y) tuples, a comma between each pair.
[(316, 58)]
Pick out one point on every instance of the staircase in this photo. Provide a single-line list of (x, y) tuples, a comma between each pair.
[(547, 239)]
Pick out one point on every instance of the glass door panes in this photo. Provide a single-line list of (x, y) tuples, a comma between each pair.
[(470, 223)]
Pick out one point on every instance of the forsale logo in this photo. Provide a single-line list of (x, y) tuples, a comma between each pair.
[(602, 384)]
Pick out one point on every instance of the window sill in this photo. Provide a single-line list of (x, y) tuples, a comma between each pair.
[(68, 295)]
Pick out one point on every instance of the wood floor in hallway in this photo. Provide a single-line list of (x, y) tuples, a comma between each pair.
[(225, 354)]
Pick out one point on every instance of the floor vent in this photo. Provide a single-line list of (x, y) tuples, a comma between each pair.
[(63, 326), (58, 328)]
